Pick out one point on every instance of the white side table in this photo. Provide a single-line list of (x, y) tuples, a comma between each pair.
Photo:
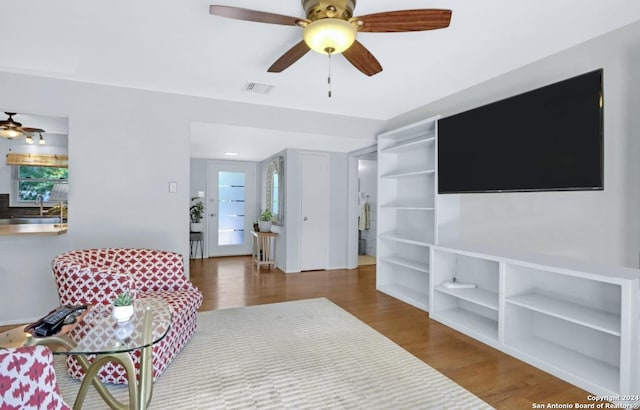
[(264, 249)]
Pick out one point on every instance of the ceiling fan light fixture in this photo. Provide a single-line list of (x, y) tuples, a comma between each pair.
[(10, 133), (41, 140), (329, 35), (10, 128), (29, 139)]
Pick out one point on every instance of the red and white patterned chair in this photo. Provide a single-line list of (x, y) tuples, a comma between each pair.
[(96, 276), (28, 380)]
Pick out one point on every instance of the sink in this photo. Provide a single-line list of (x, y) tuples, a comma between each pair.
[(29, 220)]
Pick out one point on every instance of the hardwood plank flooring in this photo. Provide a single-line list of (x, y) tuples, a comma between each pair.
[(501, 380)]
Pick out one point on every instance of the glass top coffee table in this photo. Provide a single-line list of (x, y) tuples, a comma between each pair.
[(98, 333)]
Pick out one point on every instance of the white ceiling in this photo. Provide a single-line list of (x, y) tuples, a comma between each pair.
[(176, 46)]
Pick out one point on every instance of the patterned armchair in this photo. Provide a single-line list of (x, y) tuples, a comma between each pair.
[(96, 276), (28, 380)]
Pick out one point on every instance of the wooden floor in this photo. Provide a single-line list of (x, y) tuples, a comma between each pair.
[(498, 379)]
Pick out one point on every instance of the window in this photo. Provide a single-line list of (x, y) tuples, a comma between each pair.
[(34, 180)]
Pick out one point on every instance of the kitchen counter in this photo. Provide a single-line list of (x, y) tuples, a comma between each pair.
[(33, 229)]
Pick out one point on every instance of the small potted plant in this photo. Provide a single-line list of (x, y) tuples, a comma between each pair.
[(196, 212), (123, 307), (264, 220)]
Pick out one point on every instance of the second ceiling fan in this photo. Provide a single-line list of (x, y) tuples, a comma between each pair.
[(330, 28)]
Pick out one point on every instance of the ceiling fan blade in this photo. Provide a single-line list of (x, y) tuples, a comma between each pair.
[(362, 59), (254, 15), (404, 20), (290, 57)]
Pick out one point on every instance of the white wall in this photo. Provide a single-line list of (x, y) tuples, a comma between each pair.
[(125, 146), (602, 226)]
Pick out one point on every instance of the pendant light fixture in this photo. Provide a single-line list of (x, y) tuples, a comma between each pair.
[(30, 132), (12, 129)]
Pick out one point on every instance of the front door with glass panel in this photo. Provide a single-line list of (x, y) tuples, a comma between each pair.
[(231, 211)]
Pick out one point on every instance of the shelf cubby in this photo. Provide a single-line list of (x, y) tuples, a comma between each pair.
[(478, 296), (411, 144), (406, 237), (414, 297), (404, 174), (583, 354), (404, 281), (407, 263), (466, 317), (571, 312)]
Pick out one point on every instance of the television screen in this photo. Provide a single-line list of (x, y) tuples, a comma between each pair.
[(548, 139)]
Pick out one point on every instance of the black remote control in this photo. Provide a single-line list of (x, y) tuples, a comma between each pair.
[(51, 323)]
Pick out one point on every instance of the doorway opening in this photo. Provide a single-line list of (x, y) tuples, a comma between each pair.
[(363, 192)]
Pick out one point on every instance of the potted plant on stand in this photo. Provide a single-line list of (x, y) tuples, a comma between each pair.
[(264, 220), (196, 212)]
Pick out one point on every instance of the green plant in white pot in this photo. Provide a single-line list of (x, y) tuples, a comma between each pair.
[(196, 212), (123, 307), (264, 220)]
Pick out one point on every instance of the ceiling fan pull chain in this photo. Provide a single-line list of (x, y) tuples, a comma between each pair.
[(329, 78)]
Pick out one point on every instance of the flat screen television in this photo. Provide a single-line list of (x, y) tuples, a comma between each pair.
[(548, 139)]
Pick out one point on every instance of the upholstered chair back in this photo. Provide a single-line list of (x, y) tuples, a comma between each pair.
[(152, 270), (87, 277)]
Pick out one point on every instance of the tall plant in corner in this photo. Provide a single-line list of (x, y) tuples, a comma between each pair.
[(196, 212)]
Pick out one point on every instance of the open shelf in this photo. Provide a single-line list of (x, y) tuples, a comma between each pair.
[(469, 322), (560, 358), (478, 296), (402, 238), (407, 145), (407, 263), (408, 205), (417, 298), (408, 174), (582, 315)]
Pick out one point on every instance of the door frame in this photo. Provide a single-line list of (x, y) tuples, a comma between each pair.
[(251, 204), (354, 201)]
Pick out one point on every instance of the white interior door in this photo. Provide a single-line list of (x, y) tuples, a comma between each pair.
[(314, 235), (230, 207)]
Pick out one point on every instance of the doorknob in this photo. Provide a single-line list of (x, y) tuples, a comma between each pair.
[(305, 218), (212, 215)]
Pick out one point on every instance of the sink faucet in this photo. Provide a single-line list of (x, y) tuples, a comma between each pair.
[(40, 201)]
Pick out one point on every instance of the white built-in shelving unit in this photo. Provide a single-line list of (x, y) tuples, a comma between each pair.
[(406, 211), (576, 320)]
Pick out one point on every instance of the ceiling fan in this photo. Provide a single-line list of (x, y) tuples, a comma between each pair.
[(330, 28), (11, 129)]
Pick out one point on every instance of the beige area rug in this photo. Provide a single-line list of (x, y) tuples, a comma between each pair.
[(308, 354)]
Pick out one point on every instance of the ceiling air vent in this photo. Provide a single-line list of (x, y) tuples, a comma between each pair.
[(258, 88)]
